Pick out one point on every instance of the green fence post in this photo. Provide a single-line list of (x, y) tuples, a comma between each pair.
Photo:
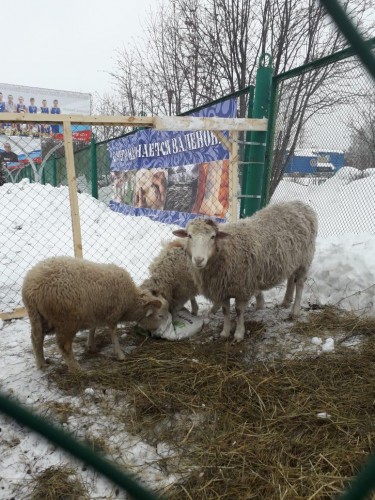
[(270, 143), (255, 147), (244, 171), (54, 171), (93, 169)]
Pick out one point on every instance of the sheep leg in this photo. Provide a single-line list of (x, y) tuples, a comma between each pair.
[(64, 343), (226, 327), (214, 309), (91, 346), (37, 339), (300, 282), (259, 301), (289, 293), (116, 344), (194, 306), (240, 328)]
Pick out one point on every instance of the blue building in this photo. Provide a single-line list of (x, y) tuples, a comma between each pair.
[(308, 161)]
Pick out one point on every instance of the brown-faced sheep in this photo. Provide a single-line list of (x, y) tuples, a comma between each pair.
[(258, 253), (63, 295)]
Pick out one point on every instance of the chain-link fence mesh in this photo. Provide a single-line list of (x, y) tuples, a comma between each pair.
[(324, 145), (124, 215)]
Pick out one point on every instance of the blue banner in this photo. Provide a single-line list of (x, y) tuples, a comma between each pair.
[(173, 177), (151, 148)]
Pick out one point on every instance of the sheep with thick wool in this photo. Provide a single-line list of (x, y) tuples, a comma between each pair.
[(171, 277), (258, 253), (63, 295)]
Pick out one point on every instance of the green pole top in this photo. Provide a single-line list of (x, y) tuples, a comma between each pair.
[(262, 60)]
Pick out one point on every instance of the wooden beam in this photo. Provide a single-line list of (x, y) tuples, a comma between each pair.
[(233, 176), (129, 121), (223, 139), (72, 184), (178, 123), (190, 123), (18, 313)]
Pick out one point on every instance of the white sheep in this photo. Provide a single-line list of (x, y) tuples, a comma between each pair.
[(171, 277), (258, 253), (65, 295)]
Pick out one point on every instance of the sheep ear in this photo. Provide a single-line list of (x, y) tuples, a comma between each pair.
[(222, 234), (151, 305), (181, 233), (154, 303)]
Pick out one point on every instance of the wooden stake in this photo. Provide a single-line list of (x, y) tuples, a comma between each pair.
[(233, 176), (71, 171)]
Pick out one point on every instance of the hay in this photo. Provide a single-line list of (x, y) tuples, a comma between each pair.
[(332, 320), (247, 432), (58, 483)]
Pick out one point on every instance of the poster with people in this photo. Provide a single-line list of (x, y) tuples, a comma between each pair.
[(15, 155), (173, 176), (35, 100)]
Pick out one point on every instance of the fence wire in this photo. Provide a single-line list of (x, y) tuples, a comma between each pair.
[(35, 213), (324, 145)]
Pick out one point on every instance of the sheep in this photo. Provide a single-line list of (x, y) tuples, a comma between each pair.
[(171, 277), (65, 295), (258, 253)]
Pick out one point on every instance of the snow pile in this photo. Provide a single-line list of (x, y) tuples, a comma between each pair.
[(35, 224), (345, 203)]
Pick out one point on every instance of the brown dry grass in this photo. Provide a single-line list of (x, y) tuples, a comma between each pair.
[(248, 431), (58, 483)]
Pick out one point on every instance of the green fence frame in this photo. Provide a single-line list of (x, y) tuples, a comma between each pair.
[(75, 448)]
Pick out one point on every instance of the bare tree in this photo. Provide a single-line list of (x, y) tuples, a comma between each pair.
[(361, 152), (198, 50)]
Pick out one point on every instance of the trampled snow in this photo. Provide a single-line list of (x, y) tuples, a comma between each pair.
[(35, 223)]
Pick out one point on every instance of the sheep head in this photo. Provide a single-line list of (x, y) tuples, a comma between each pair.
[(202, 236), (153, 311)]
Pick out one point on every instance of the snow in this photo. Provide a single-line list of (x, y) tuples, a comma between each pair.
[(345, 203), (316, 340), (323, 415), (329, 345), (35, 223)]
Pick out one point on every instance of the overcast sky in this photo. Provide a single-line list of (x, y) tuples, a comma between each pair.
[(66, 45)]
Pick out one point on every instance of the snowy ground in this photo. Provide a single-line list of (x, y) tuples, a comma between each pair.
[(35, 223)]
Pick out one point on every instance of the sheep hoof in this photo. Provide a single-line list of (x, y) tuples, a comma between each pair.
[(42, 366), (237, 339), (224, 334), (120, 356), (292, 316), (285, 305)]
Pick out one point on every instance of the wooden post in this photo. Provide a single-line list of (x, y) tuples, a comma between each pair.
[(71, 172), (233, 176)]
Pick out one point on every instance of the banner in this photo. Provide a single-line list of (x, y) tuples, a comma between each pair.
[(15, 155), (173, 176), (35, 100)]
